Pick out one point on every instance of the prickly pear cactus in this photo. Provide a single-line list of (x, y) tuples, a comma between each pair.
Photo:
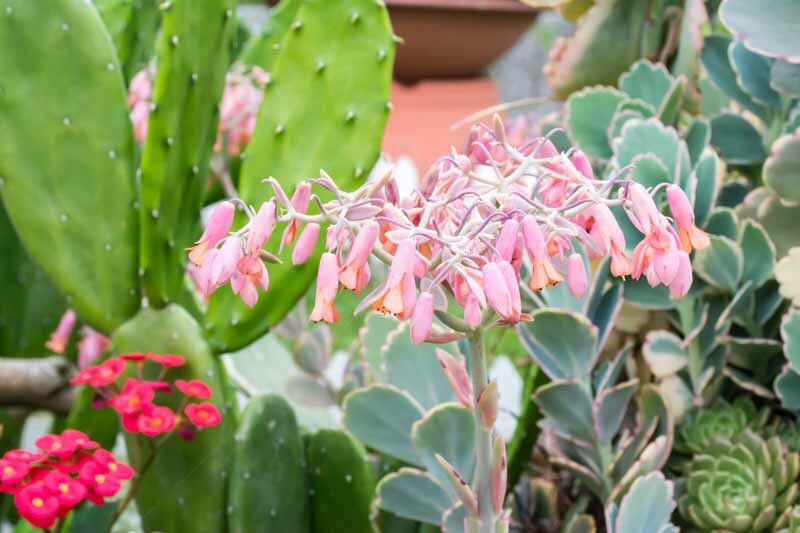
[(66, 165), (184, 491), (132, 25), (341, 483), (268, 490), (263, 49), (192, 58), (325, 108)]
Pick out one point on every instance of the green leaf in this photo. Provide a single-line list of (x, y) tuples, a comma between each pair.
[(373, 335), (723, 221), (647, 506), (589, 114), (649, 170), (447, 430), (671, 106), (787, 387), (381, 416), (758, 252), (712, 99), (611, 407), (264, 49), (753, 74), (721, 264), (787, 273), (738, 141), (707, 181), (790, 333), (641, 294), (568, 409), (782, 168), (527, 431), (768, 30), (664, 353), (67, 154), (648, 136), (342, 483), (785, 78), (717, 64), (560, 356), (325, 108), (690, 43), (647, 81), (778, 219), (697, 137), (413, 494)]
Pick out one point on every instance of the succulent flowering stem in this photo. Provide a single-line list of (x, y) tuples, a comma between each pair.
[(483, 438)]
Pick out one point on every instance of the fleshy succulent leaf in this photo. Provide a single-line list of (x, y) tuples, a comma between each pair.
[(721, 264), (560, 356), (589, 114), (737, 141), (770, 32), (413, 494), (782, 167), (647, 506)]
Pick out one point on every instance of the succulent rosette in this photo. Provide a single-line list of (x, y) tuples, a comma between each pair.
[(743, 484), (724, 419)]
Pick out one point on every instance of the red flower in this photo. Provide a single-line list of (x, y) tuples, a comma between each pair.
[(24, 456), (81, 439), (103, 374), (73, 464), (56, 445), (130, 422), (203, 415), (99, 480), (160, 386), (168, 359), (156, 420), (114, 468), (194, 388), (12, 471), (36, 505), (69, 491), (137, 356), (135, 394)]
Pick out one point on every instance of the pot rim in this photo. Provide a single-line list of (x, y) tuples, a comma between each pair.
[(464, 5)]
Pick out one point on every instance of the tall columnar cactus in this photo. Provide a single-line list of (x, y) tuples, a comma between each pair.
[(133, 25), (192, 58), (67, 163), (325, 108), (268, 489), (194, 474)]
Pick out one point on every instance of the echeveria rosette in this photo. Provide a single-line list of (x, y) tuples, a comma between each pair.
[(723, 419), (745, 485)]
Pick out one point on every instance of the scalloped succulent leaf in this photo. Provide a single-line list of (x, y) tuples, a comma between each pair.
[(664, 353), (787, 387), (647, 506), (413, 494), (717, 65), (589, 115), (381, 416), (697, 137), (782, 168), (790, 333), (67, 155), (567, 407), (753, 74), (724, 222), (721, 264), (325, 108), (771, 32), (447, 430), (737, 140), (648, 136), (647, 81), (785, 78), (670, 108), (778, 219), (611, 406), (707, 185), (758, 252), (787, 273), (342, 482), (372, 337), (713, 100), (560, 356)]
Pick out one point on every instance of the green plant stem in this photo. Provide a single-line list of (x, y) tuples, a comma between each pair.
[(483, 438), (135, 484)]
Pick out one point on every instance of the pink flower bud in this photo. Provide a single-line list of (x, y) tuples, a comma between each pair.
[(461, 487), (582, 164), (60, 337), (576, 275), (494, 284), (645, 212), (300, 199), (261, 227), (455, 371), (250, 274), (507, 240), (487, 404), (683, 278), (352, 274), (224, 262), (534, 239), (91, 346), (472, 311), (327, 286), (690, 235), (422, 317), (305, 244), (499, 473), (219, 224)]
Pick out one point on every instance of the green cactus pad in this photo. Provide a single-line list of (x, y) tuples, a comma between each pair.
[(192, 58), (267, 489), (264, 49), (589, 115), (66, 155), (771, 32), (341, 483), (193, 474), (447, 430), (325, 108), (132, 25), (366, 417), (413, 494)]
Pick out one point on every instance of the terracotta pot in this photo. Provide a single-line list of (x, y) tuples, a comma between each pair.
[(454, 38)]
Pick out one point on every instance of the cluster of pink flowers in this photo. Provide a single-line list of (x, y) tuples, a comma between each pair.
[(135, 399), (68, 469), (91, 346), (241, 100), (479, 222)]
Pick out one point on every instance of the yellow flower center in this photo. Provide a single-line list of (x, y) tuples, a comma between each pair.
[(155, 422), (100, 478), (112, 466), (63, 487), (56, 446), (37, 502)]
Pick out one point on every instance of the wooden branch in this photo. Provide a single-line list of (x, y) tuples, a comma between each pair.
[(36, 382)]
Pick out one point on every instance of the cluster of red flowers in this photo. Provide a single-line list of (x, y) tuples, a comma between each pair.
[(135, 399), (67, 469)]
